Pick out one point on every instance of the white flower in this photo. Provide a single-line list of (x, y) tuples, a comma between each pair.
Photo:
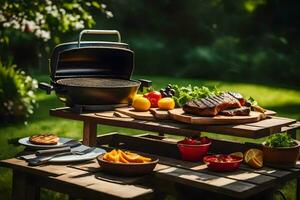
[(79, 25), (6, 24), (28, 79), (45, 35), (62, 11), (109, 14), (34, 84), (2, 18), (30, 93)]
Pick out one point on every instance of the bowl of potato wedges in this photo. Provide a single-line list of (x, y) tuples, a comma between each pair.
[(126, 163)]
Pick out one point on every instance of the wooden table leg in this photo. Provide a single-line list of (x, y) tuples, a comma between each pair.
[(298, 188), (89, 133), (161, 134), (24, 187)]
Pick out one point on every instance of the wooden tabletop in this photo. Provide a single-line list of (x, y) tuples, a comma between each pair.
[(87, 177), (250, 130)]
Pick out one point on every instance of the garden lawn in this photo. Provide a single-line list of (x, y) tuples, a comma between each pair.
[(285, 101)]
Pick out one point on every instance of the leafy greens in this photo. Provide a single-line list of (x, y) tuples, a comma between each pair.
[(185, 94), (279, 140)]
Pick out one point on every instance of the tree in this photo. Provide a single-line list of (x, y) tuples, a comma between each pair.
[(46, 18)]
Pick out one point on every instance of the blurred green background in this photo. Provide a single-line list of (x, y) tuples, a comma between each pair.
[(248, 46), (245, 40)]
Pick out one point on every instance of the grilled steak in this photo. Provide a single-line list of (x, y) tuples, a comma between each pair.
[(243, 111), (238, 96), (211, 106)]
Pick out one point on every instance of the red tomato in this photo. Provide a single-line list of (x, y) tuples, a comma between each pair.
[(204, 140), (189, 141), (153, 97)]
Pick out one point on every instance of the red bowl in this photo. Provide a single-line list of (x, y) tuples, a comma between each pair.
[(222, 163), (193, 152)]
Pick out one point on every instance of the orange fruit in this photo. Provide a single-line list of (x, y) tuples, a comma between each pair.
[(141, 104), (254, 158), (166, 103)]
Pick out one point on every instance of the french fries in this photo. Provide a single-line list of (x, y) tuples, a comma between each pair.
[(119, 156)]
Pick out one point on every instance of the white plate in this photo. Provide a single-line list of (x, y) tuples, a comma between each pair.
[(61, 142), (76, 158)]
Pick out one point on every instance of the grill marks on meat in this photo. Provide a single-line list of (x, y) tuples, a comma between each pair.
[(238, 96), (213, 105)]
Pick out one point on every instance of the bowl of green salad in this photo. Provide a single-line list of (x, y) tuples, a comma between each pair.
[(280, 149)]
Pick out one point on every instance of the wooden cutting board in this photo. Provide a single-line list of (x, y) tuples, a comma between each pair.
[(159, 114), (129, 111), (179, 115), (152, 114)]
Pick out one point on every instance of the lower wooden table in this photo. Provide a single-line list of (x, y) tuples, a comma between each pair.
[(184, 180)]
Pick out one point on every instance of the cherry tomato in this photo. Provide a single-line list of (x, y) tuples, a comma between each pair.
[(153, 97), (204, 140)]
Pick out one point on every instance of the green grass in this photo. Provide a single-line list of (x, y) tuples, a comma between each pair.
[(286, 101)]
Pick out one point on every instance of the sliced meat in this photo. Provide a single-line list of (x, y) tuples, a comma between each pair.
[(244, 111), (211, 106), (238, 96)]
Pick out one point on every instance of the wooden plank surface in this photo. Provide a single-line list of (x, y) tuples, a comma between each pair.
[(178, 114), (146, 115), (262, 179), (252, 130), (87, 177), (95, 182), (230, 187), (150, 144), (159, 114), (45, 170)]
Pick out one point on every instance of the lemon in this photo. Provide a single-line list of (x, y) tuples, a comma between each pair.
[(254, 158), (141, 104), (137, 96), (166, 103), (256, 162), (237, 154)]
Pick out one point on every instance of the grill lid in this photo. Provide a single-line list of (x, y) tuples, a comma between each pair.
[(92, 59)]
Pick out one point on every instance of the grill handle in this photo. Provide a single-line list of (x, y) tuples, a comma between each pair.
[(99, 32), (47, 87)]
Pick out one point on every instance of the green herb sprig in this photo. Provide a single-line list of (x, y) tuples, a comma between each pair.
[(279, 140), (185, 94)]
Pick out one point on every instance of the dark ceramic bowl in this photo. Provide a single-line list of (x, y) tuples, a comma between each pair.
[(127, 169), (283, 156)]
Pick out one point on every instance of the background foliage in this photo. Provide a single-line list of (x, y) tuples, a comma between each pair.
[(246, 40), (16, 93)]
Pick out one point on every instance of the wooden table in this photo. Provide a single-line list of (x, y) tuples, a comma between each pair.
[(184, 180), (251, 130)]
